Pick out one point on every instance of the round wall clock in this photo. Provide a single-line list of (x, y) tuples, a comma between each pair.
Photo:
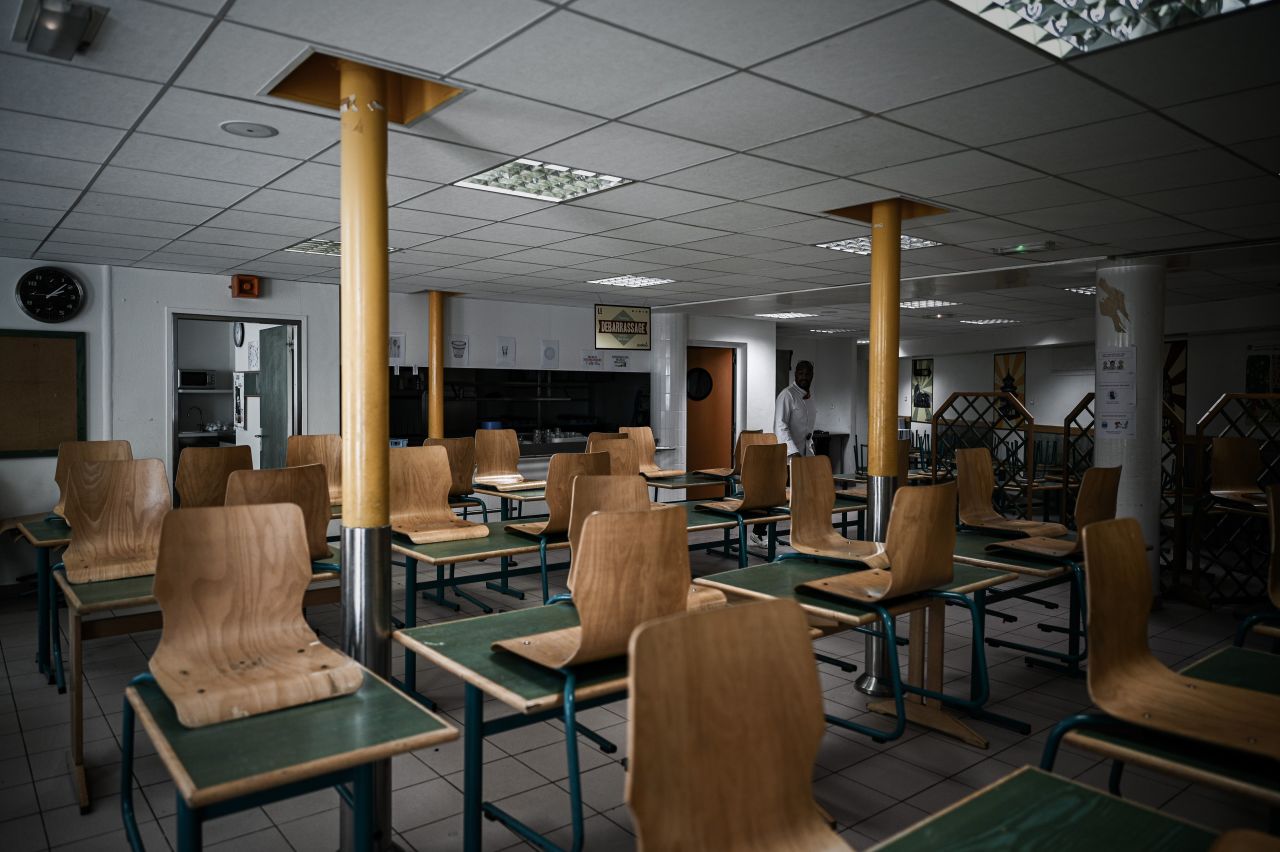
[(237, 334), (49, 294)]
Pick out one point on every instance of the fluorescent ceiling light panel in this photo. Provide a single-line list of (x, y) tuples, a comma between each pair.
[(1083, 291), (632, 281), (991, 322), (926, 303), (862, 245), (543, 181), (787, 315), (1066, 28), (329, 247), (832, 330)]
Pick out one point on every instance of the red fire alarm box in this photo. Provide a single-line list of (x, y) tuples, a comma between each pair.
[(246, 286)]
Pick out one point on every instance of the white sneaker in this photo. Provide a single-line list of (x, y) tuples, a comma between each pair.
[(758, 544)]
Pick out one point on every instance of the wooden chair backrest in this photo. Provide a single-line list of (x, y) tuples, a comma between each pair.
[(624, 458), (647, 449), (116, 509), (764, 476), (419, 478), (813, 497), (203, 471), (921, 539), (230, 582), (591, 493), (561, 471), (497, 452), (1235, 464), (630, 567), (70, 452), (596, 440), (1128, 682), (304, 487), (1273, 521), (977, 480), (1097, 498), (724, 727), (750, 439), (462, 462), (318, 449)]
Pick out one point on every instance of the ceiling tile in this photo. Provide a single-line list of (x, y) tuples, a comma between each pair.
[(672, 256), (664, 233), (427, 159), (435, 258), (184, 114), (630, 152), (739, 216), (1156, 173), (739, 244), (741, 176), (476, 203), (1120, 232), (213, 250), (15, 247), (47, 171), (243, 220), (607, 71), (251, 239), (567, 217), (523, 235), (598, 245), (549, 257), (1080, 215), (240, 61), (506, 267), (824, 196), (1119, 140), (103, 253), (643, 199), (144, 208), (921, 52), (18, 230), (1023, 195), (1264, 152), (295, 204), (797, 254), (472, 248), (193, 159), (137, 39), (1193, 199), (99, 238), (858, 146), (187, 190), (501, 122), (53, 137), (621, 266), (322, 179), (814, 231), (36, 195), (116, 225), (1238, 117), (949, 173), (422, 222), (64, 91), (715, 113), (968, 231)]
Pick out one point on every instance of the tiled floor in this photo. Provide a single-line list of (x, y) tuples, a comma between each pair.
[(870, 790)]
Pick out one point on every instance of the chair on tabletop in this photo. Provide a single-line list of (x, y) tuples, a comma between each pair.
[(624, 458), (203, 472), (764, 489), (746, 438), (307, 488), (1235, 464), (71, 452), (318, 449), (1096, 502), (813, 499), (724, 726), (859, 491), (462, 467), (642, 437), (977, 484), (498, 459), (420, 480), (1268, 623)]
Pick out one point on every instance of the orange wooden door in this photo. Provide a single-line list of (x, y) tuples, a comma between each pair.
[(709, 413)]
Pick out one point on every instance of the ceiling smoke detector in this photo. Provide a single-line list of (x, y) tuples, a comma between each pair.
[(249, 129)]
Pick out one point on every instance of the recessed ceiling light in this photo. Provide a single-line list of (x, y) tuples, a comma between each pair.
[(862, 245), (328, 247), (926, 303), (1025, 248), (1083, 291), (632, 281), (787, 315), (863, 340), (249, 129), (991, 322), (543, 181), (832, 330), (1066, 28)]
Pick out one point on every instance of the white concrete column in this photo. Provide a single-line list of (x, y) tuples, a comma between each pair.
[(667, 399), (1128, 381)]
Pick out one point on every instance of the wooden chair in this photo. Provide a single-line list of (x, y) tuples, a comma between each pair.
[(318, 449), (462, 468), (764, 481), (115, 508), (1235, 463), (1096, 502), (70, 452), (306, 487), (497, 460), (859, 491), (420, 481), (203, 471), (1128, 683), (977, 483), (1268, 623), (562, 470), (724, 727), (591, 493), (813, 498), (746, 438), (234, 642), (624, 458), (596, 440), (642, 437)]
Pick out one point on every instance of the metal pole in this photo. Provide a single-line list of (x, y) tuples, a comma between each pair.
[(366, 531), (435, 364), (882, 403)]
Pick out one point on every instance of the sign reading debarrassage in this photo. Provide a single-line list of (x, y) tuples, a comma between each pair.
[(622, 327)]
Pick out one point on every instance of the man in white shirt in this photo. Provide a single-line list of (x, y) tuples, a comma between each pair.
[(794, 414)]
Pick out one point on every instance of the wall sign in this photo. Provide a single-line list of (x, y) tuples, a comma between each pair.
[(1117, 393), (622, 327), (550, 355), (505, 355), (459, 351), (621, 362), (592, 360)]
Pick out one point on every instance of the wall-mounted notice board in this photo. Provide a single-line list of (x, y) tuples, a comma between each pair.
[(43, 388)]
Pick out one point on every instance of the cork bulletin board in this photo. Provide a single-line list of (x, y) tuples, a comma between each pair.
[(43, 387)]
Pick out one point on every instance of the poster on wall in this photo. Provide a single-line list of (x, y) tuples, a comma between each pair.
[(621, 362), (505, 355), (1116, 400), (459, 350), (237, 384), (922, 389), (592, 360), (622, 327), (1010, 376), (550, 354)]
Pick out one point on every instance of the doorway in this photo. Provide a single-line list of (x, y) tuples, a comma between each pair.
[(711, 393)]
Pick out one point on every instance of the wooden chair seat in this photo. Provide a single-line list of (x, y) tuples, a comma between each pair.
[(510, 482), (561, 471), (234, 642), (116, 509), (1127, 682), (306, 487), (1038, 545), (498, 459), (420, 480), (746, 438), (764, 482), (71, 452), (1096, 501), (642, 437), (302, 450), (977, 482), (203, 472), (1020, 526), (854, 492), (631, 567)]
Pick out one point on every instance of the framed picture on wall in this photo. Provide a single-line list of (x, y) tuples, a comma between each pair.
[(395, 349), (1011, 374), (921, 389), (46, 371)]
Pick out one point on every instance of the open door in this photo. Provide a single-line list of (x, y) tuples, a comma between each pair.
[(709, 412), (275, 385)]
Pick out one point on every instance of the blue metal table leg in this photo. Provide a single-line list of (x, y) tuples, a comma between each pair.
[(126, 773), (411, 619), (505, 562), (742, 542), (542, 559), (42, 613), (473, 766), (773, 541), (363, 810), (190, 827), (55, 635)]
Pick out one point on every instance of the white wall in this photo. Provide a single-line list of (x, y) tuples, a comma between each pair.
[(756, 340)]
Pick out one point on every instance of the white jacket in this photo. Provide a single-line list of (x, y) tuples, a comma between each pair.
[(793, 419)]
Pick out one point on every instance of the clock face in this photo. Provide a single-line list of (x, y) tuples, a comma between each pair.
[(237, 334), (49, 294)]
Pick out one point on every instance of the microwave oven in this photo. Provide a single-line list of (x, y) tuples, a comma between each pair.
[(195, 379)]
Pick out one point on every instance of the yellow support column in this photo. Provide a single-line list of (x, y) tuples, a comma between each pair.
[(366, 531), (435, 364)]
